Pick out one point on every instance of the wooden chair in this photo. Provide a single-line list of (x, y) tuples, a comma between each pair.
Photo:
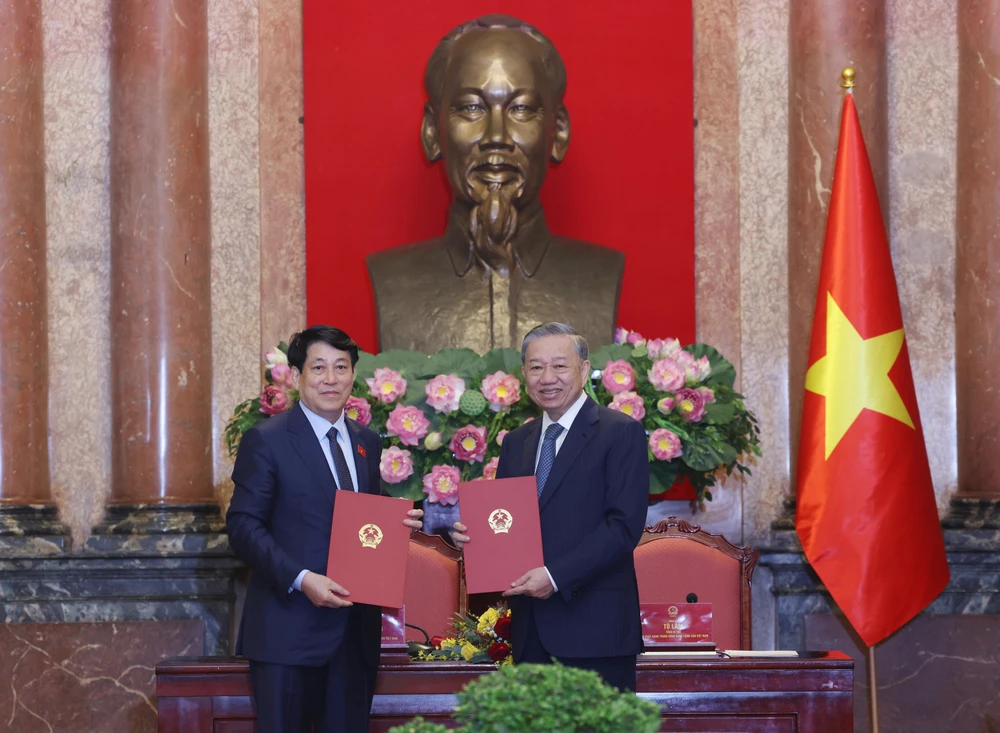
[(435, 585), (676, 559)]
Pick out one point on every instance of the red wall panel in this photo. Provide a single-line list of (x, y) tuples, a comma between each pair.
[(627, 181)]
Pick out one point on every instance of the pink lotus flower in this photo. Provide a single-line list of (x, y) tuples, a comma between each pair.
[(659, 348), (684, 358), (444, 392), (665, 445), (666, 375), (441, 485), (699, 370), (357, 408), (408, 423), (281, 375), (490, 469), (620, 335), (666, 405), (501, 435), (690, 404), (273, 357), (469, 444), (635, 338), (618, 376), (706, 394), (501, 390), (396, 465), (273, 400), (629, 403), (387, 386)]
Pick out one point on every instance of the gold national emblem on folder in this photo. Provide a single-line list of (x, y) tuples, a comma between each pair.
[(500, 521), (370, 535)]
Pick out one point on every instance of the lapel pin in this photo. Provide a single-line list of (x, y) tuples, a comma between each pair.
[(361, 450)]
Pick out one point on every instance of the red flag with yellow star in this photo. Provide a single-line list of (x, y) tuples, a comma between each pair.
[(866, 512)]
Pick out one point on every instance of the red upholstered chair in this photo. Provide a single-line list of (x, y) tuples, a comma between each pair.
[(675, 559), (435, 586)]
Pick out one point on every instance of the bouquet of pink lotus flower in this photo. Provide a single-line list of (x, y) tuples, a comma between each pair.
[(443, 417), (697, 423)]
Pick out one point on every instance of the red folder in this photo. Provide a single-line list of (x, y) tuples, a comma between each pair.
[(368, 547), (505, 532)]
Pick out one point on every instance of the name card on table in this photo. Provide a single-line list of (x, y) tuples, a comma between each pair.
[(394, 628), (670, 624)]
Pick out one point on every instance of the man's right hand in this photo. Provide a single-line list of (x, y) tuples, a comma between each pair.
[(458, 535), (323, 592)]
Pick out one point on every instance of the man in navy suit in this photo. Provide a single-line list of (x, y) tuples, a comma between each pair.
[(313, 654), (591, 466)]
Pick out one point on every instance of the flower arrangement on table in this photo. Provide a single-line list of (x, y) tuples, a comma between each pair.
[(443, 417), (476, 639)]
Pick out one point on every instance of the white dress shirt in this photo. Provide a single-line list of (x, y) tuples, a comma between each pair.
[(321, 426), (567, 422)]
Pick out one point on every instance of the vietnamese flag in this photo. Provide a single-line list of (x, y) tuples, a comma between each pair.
[(866, 512)]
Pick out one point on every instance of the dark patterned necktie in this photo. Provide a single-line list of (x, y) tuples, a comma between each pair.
[(340, 462), (548, 455)]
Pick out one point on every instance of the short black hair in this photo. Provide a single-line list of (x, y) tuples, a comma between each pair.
[(300, 343)]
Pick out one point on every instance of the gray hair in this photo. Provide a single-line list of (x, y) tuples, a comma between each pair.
[(556, 329)]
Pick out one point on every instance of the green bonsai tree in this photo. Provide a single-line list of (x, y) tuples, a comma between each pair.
[(545, 698)]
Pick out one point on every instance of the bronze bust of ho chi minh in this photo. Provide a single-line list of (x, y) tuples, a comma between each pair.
[(495, 115)]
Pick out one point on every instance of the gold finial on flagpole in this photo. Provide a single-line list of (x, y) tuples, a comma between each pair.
[(847, 77)]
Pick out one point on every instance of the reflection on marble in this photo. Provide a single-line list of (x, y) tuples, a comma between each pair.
[(922, 52), (936, 675), (82, 678), (763, 278), (175, 586), (235, 165), (77, 129)]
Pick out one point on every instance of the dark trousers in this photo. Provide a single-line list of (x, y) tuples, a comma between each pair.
[(616, 671), (335, 697)]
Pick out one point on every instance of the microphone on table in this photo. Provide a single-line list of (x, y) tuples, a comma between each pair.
[(415, 647), (691, 598)]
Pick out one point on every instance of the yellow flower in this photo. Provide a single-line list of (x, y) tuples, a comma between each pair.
[(467, 651), (509, 659), (445, 643), (487, 620)]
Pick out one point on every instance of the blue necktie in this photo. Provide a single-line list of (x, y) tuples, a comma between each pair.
[(548, 455), (339, 462)]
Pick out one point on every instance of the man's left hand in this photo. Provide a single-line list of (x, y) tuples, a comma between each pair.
[(414, 519), (534, 583)]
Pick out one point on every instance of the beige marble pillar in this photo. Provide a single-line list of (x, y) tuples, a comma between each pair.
[(160, 254), (825, 36), (977, 265), (25, 498)]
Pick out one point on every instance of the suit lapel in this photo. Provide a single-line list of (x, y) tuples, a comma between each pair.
[(310, 451), (534, 434), (360, 459), (584, 428)]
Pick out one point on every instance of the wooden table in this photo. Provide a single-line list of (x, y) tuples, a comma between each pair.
[(809, 694)]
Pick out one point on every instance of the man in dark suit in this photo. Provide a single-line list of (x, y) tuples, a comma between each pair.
[(313, 654), (592, 470)]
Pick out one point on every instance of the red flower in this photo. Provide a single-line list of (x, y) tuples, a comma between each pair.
[(502, 627), (273, 400), (436, 641), (499, 651)]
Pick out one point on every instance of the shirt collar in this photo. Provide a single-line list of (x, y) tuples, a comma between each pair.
[(568, 417), (530, 243), (321, 426)]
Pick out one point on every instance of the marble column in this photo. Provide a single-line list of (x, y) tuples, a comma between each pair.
[(824, 37), (160, 270), (977, 265), (27, 514)]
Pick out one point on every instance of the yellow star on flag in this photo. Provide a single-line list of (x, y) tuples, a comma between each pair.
[(854, 375)]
